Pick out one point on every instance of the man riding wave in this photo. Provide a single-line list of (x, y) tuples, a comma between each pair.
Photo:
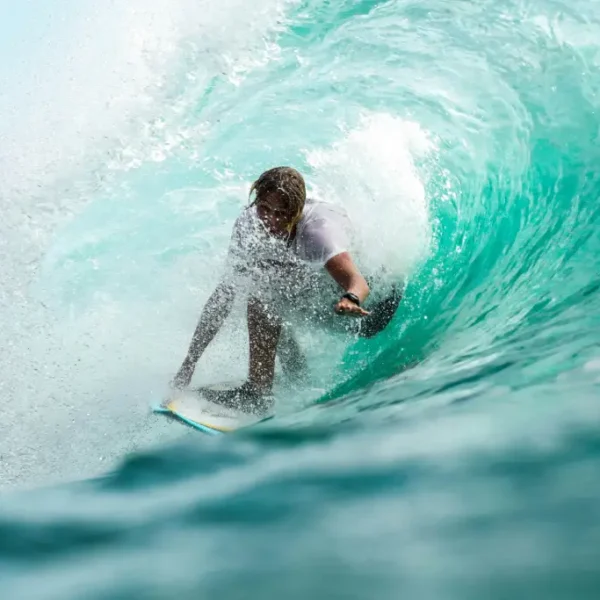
[(287, 253)]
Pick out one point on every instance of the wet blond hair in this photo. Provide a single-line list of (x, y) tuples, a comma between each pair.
[(286, 182)]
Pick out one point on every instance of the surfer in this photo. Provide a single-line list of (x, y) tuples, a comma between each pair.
[(286, 254)]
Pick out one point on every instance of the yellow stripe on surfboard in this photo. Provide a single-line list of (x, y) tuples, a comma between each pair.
[(173, 410)]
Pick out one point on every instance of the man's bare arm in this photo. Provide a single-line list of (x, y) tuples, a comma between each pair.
[(213, 315)]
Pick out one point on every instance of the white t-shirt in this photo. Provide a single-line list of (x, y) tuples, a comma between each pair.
[(323, 232), (284, 273)]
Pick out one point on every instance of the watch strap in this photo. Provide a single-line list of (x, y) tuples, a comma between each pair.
[(352, 297)]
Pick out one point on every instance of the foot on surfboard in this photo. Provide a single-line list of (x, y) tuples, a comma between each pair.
[(246, 398)]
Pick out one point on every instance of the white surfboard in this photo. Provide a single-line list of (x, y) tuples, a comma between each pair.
[(192, 408)]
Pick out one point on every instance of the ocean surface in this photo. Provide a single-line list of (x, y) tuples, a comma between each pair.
[(454, 456)]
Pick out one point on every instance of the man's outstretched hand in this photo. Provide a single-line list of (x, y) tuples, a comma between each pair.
[(347, 307)]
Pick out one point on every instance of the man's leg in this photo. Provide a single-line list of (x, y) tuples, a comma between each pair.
[(254, 396), (291, 357), (264, 330)]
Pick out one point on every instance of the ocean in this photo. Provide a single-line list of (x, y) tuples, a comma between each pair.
[(454, 456)]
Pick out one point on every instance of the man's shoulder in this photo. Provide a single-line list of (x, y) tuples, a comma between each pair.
[(319, 209), (245, 220), (245, 215)]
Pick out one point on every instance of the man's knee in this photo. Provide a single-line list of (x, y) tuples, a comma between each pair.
[(263, 313)]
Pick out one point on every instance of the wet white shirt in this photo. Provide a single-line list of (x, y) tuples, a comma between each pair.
[(324, 231), (289, 276)]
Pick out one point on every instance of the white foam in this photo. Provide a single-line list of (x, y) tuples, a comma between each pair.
[(372, 172), (106, 77), (97, 87)]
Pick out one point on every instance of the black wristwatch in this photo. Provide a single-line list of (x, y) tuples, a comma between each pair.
[(352, 297)]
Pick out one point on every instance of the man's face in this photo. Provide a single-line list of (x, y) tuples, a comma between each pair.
[(274, 213)]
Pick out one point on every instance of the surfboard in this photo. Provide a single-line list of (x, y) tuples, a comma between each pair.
[(194, 409)]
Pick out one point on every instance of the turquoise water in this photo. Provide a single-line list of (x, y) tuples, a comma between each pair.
[(456, 455)]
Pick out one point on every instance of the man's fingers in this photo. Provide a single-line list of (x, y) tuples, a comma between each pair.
[(358, 311)]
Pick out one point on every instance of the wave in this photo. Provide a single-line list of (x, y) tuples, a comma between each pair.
[(456, 445)]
